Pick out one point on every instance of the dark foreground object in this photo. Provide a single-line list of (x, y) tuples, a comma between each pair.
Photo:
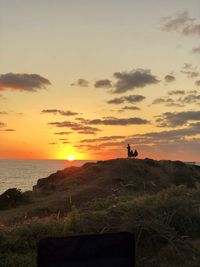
[(105, 250)]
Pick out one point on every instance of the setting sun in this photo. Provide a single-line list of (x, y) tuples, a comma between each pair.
[(70, 158)]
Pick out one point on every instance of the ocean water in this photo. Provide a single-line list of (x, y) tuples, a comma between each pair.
[(23, 174)]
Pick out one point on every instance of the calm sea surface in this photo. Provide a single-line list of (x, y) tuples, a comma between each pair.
[(23, 174)]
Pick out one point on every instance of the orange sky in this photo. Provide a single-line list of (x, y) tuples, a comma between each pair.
[(85, 79)]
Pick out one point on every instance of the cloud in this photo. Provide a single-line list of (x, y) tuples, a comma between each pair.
[(63, 133), (169, 102), (129, 99), (197, 82), (174, 119), (3, 113), (176, 92), (191, 74), (103, 83), (191, 98), (169, 78), (196, 50), (23, 82), (138, 78), (187, 66), (9, 130), (79, 128), (81, 83), (181, 23), (171, 135), (131, 108), (177, 22), (61, 112), (116, 101), (116, 121)]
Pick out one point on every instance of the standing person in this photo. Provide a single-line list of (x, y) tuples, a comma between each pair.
[(129, 150)]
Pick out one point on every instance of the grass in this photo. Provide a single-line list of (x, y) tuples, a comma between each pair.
[(158, 201), (166, 226)]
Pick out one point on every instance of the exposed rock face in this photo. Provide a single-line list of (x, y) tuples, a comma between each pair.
[(141, 175)]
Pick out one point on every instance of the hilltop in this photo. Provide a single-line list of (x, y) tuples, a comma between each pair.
[(159, 201), (118, 177)]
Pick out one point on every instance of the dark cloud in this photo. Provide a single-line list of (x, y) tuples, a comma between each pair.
[(197, 82), (196, 50), (176, 92), (3, 113), (116, 121), (192, 29), (135, 79), (176, 23), (129, 99), (63, 139), (81, 83), (169, 102), (61, 112), (191, 130), (181, 23), (191, 98), (9, 130), (103, 83), (192, 92), (85, 131), (79, 128), (23, 82), (174, 119), (187, 66), (64, 124), (170, 78), (116, 101), (191, 74), (159, 100), (63, 133), (66, 142)]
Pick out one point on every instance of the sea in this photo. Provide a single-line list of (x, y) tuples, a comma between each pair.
[(23, 174)]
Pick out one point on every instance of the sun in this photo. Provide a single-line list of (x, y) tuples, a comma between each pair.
[(70, 158)]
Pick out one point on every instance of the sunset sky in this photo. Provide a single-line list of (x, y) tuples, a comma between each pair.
[(87, 77)]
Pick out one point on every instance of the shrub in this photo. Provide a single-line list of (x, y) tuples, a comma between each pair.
[(12, 198)]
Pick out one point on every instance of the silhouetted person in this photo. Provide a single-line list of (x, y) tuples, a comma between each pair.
[(131, 153), (129, 150), (135, 154)]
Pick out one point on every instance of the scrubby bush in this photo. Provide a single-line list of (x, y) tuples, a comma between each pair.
[(12, 198), (183, 177)]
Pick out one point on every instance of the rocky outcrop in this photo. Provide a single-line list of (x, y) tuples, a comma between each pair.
[(145, 175)]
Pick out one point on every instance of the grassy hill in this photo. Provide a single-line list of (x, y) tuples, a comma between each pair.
[(159, 201)]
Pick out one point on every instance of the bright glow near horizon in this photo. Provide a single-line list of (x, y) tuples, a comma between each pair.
[(70, 158)]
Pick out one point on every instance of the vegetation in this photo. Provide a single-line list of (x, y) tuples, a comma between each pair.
[(13, 197), (165, 221)]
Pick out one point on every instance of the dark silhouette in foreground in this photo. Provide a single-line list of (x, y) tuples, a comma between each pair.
[(131, 154)]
